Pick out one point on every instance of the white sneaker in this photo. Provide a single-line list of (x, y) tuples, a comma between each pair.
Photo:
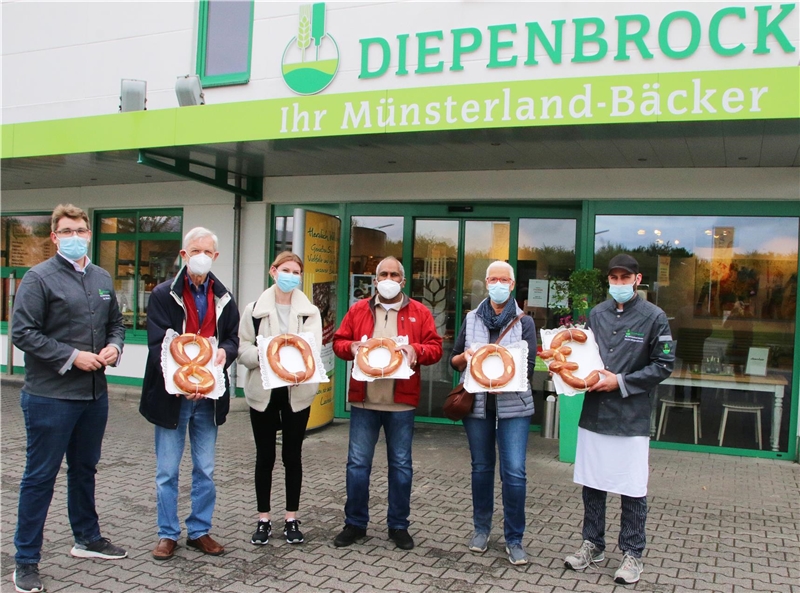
[(586, 555), (629, 571)]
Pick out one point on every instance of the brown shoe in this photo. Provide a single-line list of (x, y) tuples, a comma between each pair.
[(206, 545), (165, 549)]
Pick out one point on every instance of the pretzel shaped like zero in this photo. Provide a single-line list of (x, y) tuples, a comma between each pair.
[(192, 368), (395, 360), (558, 352), (480, 356), (274, 359)]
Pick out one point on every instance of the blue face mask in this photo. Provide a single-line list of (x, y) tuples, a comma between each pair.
[(621, 293), (74, 247), (287, 282), (499, 292)]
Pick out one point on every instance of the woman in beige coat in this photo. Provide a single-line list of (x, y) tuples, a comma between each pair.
[(282, 308)]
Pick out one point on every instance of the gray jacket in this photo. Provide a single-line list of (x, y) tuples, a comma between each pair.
[(635, 344), (59, 312)]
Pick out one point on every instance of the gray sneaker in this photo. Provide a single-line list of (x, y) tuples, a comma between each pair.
[(516, 554), (586, 555), (479, 542), (26, 578), (102, 548), (629, 571)]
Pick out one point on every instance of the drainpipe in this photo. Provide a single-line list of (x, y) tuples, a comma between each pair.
[(237, 231), (12, 289)]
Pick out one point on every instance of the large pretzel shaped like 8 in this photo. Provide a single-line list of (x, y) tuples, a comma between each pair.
[(192, 368)]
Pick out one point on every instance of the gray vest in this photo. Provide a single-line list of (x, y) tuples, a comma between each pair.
[(510, 404)]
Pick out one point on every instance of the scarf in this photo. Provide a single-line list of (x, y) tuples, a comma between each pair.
[(209, 327), (492, 320)]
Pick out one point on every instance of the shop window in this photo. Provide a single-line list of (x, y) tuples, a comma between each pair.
[(546, 254), (25, 242), (224, 42), (140, 249), (729, 288)]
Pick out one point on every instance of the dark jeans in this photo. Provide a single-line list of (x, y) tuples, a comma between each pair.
[(632, 522), (365, 426), (56, 427), (279, 416)]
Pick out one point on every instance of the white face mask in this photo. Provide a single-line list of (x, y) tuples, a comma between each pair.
[(388, 289), (200, 264)]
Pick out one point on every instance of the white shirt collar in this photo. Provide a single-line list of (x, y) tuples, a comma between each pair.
[(387, 306), (75, 264)]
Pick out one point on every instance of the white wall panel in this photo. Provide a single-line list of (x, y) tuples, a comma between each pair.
[(61, 58)]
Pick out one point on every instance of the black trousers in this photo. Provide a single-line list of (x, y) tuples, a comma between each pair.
[(632, 523), (279, 416)]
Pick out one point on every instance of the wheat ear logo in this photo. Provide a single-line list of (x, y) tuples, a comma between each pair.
[(311, 59)]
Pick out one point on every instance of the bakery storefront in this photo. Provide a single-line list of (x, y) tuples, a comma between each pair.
[(550, 135)]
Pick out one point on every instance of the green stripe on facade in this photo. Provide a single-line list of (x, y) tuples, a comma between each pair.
[(767, 93)]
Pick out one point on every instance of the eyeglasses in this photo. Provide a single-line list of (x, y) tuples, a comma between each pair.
[(495, 280), (71, 232)]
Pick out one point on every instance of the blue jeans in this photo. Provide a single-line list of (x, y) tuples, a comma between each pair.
[(365, 425), (198, 416), (56, 427), (511, 435)]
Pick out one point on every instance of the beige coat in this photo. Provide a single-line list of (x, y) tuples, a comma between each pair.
[(301, 396)]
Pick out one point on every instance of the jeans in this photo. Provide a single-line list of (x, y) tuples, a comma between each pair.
[(198, 416), (365, 426), (279, 416), (56, 427), (511, 435)]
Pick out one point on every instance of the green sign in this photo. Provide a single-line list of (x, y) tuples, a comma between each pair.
[(730, 95), (311, 59)]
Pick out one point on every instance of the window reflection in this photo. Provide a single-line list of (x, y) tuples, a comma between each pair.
[(729, 288)]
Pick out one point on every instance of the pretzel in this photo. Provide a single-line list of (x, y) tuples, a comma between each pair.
[(480, 356), (192, 368), (396, 357), (274, 359), (558, 352)]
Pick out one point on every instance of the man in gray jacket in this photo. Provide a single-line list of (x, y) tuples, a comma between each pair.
[(67, 322), (635, 343)]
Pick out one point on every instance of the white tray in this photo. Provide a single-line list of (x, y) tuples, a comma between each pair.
[(519, 382), (291, 360), (169, 367), (587, 355), (379, 357)]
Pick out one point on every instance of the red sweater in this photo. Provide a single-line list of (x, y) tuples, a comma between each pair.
[(413, 320)]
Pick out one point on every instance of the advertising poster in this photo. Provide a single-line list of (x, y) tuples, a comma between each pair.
[(320, 253)]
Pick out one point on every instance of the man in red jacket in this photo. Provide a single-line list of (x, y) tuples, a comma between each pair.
[(384, 402)]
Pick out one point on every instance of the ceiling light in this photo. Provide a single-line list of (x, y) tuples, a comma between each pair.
[(640, 232), (708, 232), (676, 242), (189, 90), (657, 232), (132, 95)]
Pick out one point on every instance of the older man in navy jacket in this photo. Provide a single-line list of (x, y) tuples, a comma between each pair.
[(194, 302)]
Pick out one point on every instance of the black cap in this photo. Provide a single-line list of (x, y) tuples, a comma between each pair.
[(624, 262)]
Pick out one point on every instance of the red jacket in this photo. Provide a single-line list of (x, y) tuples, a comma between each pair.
[(413, 320)]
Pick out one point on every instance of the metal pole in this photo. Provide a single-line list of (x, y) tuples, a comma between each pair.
[(237, 243), (12, 290)]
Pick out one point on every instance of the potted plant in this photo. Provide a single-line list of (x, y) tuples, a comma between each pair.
[(583, 290)]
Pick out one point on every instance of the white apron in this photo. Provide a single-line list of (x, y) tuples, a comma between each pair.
[(612, 463)]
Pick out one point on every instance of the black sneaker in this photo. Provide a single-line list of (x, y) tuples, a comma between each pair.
[(349, 535), (101, 548), (402, 539), (26, 578), (292, 532), (263, 531)]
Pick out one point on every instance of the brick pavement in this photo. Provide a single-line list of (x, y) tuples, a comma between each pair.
[(716, 523)]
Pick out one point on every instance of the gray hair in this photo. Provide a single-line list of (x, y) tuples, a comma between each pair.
[(199, 232), (391, 257), (500, 262)]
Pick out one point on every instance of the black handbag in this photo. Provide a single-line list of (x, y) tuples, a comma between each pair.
[(458, 402)]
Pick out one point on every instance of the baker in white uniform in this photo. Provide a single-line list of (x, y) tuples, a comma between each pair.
[(614, 430)]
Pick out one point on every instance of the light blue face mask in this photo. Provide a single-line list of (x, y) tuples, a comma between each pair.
[(621, 293), (74, 247), (287, 282), (499, 292)]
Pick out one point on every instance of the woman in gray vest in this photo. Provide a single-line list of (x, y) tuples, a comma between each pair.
[(502, 418)]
